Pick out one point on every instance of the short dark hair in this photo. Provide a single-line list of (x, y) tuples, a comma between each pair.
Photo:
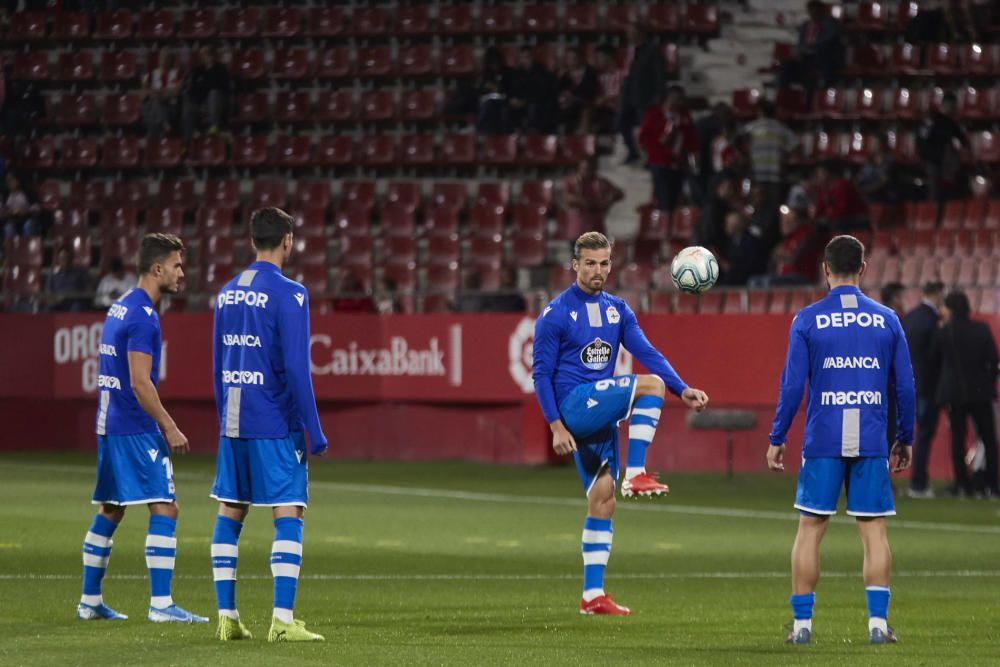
[(844, 255), (268, 226), (958, 303), (154, 248), (890, 291), (590, 241), (932, 287)]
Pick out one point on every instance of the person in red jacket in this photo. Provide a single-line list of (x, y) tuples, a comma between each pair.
[(668, 137), (840, 207)]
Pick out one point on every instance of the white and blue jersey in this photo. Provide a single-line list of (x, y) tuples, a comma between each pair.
[(577, 338), (846, 346), (263, 388), (133, 460)]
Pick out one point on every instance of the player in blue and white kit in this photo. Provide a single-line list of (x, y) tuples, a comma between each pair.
[(135, 437), (264, 393), (847, 346), (576, 344)]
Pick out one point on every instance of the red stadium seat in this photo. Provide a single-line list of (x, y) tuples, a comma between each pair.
[(75, 66), (866, 60), (197, 24), (208, 151), (497, 19), (215, 274), (325, 22), (156, 24), (744, 103), (663, 302), (377, 105), (313, 277), (537, 194), (484, 251), (414, 20), (378, 150), (458, 149), (292, 107), (486, 220), (978, 59), (872, 17), (683, 222), (528, 220), (48, 195), (292, 150), (32, 66), (239, 23), (443, 248), (119, 220), (24, 251), (222, 192), (581, 18), (89, 195), (653, 224), (577, 147), (79, 246), (313, 194), (120, 152), (333, 63), (540, 19), (905, 59), (457, 60), (166, 220), (70, 26), (374, 61), (493, 193), (976, 103), (398, 221), (78, 153), (942, 59), (122, 109), (352, 222), (418, 105), (370, 22), (539, 149), (417, 149), (528, 250), (290, 64), (214, 221), (68, 222), (27, 26), (252, 108), (789, 103), (867, 104), (357, 195), (618, 18), (131, 193), (335, 106), (282, 22), (125, 248), (248, 64), (701, 19), (118, 66), (828, 103), (441, 277), (498, 150), (415, 60), (664, 17), (985, 146), (269, 192), (454, 19), (177, 193), (249, 150), (77, 110), (114, 25), (451, 196), (335, 151)]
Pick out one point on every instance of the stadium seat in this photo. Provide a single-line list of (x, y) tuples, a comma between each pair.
[(334, 63), (89, 194), (290, 64), (866, 60), (457, 60), (70, 26), (178, 193), (313, 194), (985, 146), (47, 194), (325, 22), (540, 19), (744, 103), (335, 151), (313, 277), (335, 106), (207, 151), (156, 24), (664, 17), (214, 220), (197, 24), (497, 19), (222, 192), (78, 153), (370, 22), (374, 61), (249, 150), (31, 66), (701, 19), (77, 110), (619, 17), (451, 196), (122, 110), (114, 25), (942, 59), (118, 67), (683, 222), (978, 59), (458, 149), (498, 151), (399, 250), (69, 221), (872, 17), (493, 193), (653, 224), (905, 59), (79, 246), (413, 21), (661, 302), (377, 105), (397, 220), (581, 18), (528, 220), (828, 103), (976, 103), (24, 251), (866, 104), (975, 212), (415, 60), (634, 276), (356, 250), (418, 105), (27, 26), (215, 274), (454, 19), (269, 192), (133, 192), (292, 150), (352, 221), (538, 150), (252, 108), (486, 220), (441, 277), (248, 64), (953, 215), (378, 150), (239, 23), (527, 250), (166, 220), (443, 248), (416, 149), (281, 22), (537, 194), (712, 302), (484, 252), (574, 148), (357, 195), (789, 103), (75, 66)]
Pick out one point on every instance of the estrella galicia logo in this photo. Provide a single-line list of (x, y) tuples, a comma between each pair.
[(597, 355)]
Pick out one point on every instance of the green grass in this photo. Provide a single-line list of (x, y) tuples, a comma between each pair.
[(466, 564)]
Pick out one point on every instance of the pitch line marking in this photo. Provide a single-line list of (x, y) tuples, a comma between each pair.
[(503, 498)]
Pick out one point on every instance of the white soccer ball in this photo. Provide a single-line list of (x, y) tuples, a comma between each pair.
[(694, 270)]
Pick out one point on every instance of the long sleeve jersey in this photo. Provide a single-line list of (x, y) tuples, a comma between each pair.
[(577, 338), (260, 345), (846, 345)]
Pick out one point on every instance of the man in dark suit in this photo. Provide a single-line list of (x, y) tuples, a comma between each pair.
[(643, 87), (920, 326), (968, 387), (818, 54)]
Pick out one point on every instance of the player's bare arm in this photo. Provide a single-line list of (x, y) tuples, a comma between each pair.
[(140, 365)]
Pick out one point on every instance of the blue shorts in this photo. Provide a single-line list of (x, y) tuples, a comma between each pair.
[(592, 413), (133, 470), (262, 471), (865, 479)]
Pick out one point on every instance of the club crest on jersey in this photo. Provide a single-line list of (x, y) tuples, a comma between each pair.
[(597, 355), (612, 314)]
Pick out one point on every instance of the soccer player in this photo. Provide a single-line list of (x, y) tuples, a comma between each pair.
[(846, 345), (576, 344), (135, 437), (264, 393)]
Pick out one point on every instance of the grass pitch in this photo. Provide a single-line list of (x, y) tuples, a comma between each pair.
[(465, 564)]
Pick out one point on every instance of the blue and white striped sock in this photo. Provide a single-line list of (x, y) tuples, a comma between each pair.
[(286, 559), (225, 552), (596, 551), (641, 429), (96, 551), (161, 549)]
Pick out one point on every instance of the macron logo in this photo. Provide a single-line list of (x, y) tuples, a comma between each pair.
[(591, 403), (152, 454), (301, 298), (547, 310), (298, 455), (573, 315), (149, 311)]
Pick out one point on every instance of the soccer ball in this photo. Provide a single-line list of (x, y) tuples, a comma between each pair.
[(694, 270)]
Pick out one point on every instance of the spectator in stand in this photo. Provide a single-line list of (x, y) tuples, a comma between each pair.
[(706, 130), (533, 95), (818, 54), (578, 90), (20, 212), (939, 143), (741, 256), (352, 297), (587, 196), (207, 90), (967, 353), (667, 135), (920, 326), (763, 218), (878, 179), (839, 205), (710, 231), (795, 260), (610, 78), (770, 143), (942, 21), (643, 86), (68, 285), (385, 299), (115, 282), (891, 296), (161, 88), (492, 106)]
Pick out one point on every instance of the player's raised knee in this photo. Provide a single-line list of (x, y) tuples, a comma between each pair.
[(650, 384)]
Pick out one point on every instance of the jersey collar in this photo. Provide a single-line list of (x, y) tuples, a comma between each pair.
[(846, 289), (583, 296), (264, 266)]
